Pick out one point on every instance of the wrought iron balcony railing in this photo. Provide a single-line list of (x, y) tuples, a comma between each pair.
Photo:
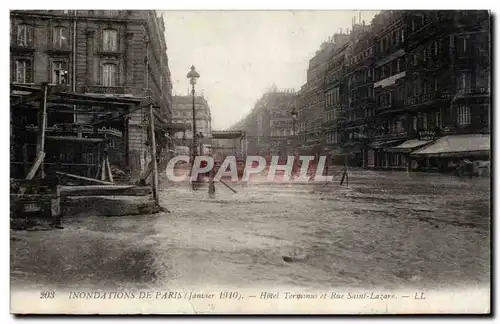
[(140, 92)]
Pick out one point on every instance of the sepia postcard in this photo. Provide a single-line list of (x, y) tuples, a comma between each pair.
[(250, 162)]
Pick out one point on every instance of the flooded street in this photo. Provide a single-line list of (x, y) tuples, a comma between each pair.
[(385, 230)]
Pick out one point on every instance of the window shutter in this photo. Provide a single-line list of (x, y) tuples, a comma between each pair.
[(113, 75), (29, 35), (104, 75), (19, 71), (55, 37), (20, 34), (105, 39), (114, 41), (14, 69), (64, 37), (29, 72), (13, 35)]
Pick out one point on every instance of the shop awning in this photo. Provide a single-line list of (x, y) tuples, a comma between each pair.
[(382, 144), (457, 145), (408, 146)]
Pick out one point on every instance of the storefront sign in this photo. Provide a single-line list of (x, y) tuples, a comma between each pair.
[(426, 135)]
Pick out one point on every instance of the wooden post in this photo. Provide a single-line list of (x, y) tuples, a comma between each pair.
[(25, 158), (108, 168), (56, 206), (103, 169), (42, 124), (153, 153)]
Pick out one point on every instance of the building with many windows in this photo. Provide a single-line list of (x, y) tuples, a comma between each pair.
[(335, 97), (410, 90), (442, 91), (183, 115), (269, 127)]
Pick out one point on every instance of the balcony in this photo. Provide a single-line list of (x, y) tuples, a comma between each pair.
[(361, 82), (80, 130), (475, 92), (391, 136), (128, 91), (389, 107), (426, 98)]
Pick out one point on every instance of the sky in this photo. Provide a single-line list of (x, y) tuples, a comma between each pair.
[(241, 54)]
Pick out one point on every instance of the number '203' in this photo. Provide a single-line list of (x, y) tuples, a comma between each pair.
[(47, 294)]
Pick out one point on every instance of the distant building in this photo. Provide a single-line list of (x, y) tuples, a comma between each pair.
[(269, 126), (183, 114), (112, 53), (336, 100)]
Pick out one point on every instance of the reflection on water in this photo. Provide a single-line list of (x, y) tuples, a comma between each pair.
[(384, 230)]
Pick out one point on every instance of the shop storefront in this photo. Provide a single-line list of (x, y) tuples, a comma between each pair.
[(401, 152), (451, 149), (379, 158)]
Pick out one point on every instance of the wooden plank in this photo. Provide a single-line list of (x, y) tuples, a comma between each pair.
[(74, 176), (25, 158), (42, 126), (99, 166), (108, 168), (149, 168), (76, 139), (35, 166), (103, 169), (220, 180), (153, 153), (32, 172), (104, 190)]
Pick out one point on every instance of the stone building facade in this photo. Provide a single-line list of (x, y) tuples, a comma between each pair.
[(438, 82), (269, 126), (311, 109), (400, 84), (116, 53)]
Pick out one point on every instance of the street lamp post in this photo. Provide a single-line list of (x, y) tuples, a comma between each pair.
[(193, 76), (294, 120)]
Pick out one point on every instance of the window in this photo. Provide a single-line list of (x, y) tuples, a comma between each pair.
[(24, 35), (462, 45), (59, 73), (22, 73), (415, 59), (109, 77), (110, 40), (415, 123), (60, 37), (402, 35), (463, 116), (464, 81), (438, 119), (436, 84), (424, 121)]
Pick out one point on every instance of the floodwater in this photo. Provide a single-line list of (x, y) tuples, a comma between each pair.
[(384, 230)]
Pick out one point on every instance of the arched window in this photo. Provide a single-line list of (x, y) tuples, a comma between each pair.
[(24, 36), (109, 40), (109, 75), (60, 37), (23, 71)]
